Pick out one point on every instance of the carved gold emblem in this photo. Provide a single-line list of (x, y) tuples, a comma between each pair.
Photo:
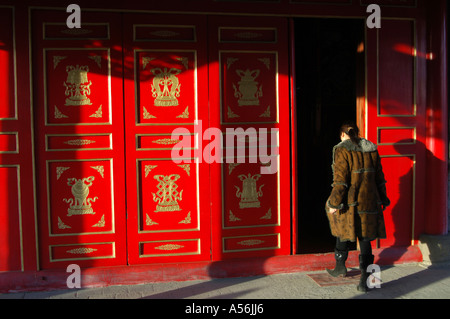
[(167, 196), (77, 85), (249, 194), (80, 204), (166, 86), (249, 91)]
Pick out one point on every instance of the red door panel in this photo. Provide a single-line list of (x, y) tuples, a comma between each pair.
[(396, 113), (78, 109), (166, 83), (249, 98)]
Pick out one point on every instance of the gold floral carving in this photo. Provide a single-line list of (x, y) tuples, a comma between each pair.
[(266, 113), (100, 169), (185, 114), (81, 251), (149, 221), (59, 115), (251, 242), (230, 62), (169, 247), (57, 59), (231, 114), (147, 115), (98, 113), (146, 60), (79, 142), (148, 169), (187, 168), (184, 61), (97, 59), (61, 225), (187, 220), (232, 166), (101, 222), (233, 218), (166, 141), (60, 170), (268, 215), (266, 62)]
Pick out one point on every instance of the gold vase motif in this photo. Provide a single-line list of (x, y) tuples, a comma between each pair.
[(77, 85), (249, 92), (80, 204), (250, 194)]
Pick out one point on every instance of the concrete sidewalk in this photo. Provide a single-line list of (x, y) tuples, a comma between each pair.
[(408, 281)]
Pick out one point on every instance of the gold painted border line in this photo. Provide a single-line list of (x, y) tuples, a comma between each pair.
[(78, 149), (68, 38), (82, 258), (167, 26), (251, 249), (275, 29), (16, 134), (198, 252), (413, 195), (379, 128), (167, 148), (19, 206)]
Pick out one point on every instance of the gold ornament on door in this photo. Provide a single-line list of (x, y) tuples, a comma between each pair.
[(78, 86), (167, 195), (80, 204), (249, 91), (166, 86), (250, 194)]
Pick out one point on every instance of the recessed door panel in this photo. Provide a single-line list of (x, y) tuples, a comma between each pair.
[(78, 109), (166, 84), (249, 98)]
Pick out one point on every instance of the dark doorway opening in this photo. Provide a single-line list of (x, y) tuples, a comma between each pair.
[(329, 81)]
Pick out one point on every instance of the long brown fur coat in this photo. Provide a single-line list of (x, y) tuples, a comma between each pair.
[(359, 191)]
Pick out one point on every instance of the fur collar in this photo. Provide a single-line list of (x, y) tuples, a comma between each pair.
[(364, 146)]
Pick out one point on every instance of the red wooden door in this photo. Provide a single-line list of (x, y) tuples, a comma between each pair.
[(396, 113), (166, 88), (78, 109), (249, 93)]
